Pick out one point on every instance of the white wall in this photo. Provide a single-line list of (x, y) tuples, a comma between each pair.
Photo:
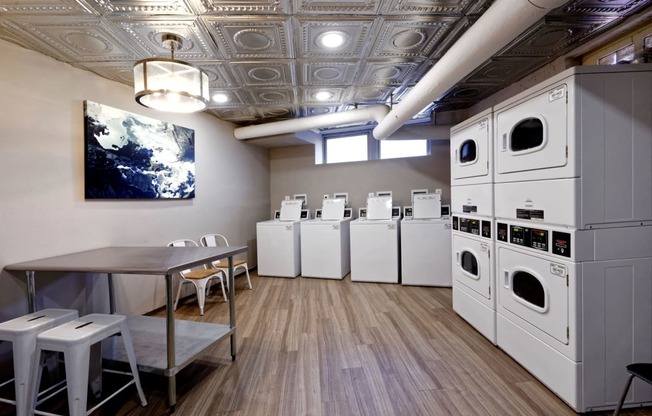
[(43, 211), (293, 171)]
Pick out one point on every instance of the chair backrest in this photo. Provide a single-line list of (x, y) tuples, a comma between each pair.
[(213, 240), (183, 243)]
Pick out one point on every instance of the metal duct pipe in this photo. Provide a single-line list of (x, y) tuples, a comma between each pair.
[(373, 113), (496, 28)]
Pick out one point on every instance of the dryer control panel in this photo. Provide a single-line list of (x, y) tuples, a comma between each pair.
[(556, 242), (472, 226)]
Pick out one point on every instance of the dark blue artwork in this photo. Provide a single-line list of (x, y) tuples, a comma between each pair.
[(131, 156)]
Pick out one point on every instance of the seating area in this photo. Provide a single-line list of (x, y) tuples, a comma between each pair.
[(201, 276), (62, 331)]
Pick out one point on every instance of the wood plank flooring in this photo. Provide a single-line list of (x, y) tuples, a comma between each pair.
[(331, 348)]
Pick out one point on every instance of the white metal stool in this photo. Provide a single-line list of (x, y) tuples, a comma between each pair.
[(74, 339), (22, 332)]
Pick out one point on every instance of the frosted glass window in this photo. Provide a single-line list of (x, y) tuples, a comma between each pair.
[(346, 149), (390, 149)]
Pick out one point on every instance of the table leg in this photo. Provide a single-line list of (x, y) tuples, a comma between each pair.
[(31, 292), (111, 294), (234, 349), (172, 381)]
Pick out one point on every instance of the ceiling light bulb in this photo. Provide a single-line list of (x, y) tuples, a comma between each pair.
[(220, 98), (332, 40), (323, 95)]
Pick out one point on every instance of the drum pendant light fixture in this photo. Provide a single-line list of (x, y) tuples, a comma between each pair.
[(168, 84)]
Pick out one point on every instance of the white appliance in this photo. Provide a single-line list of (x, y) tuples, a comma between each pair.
[(426, 252), (472, 150), (575, 307), (279, 242), (375, 243), (576, 150), (473, 271), (325, 247)]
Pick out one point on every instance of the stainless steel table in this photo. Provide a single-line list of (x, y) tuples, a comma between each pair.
[(155, 339)]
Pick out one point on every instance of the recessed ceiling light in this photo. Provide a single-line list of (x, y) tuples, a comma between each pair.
[(323, 95), (332, 39), (220, 97)]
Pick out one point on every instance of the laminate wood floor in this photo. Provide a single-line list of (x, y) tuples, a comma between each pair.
[(326, 347)]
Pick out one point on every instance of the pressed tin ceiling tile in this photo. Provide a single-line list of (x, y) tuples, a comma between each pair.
[(266, 56)]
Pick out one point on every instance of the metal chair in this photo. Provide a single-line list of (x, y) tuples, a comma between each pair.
[(199, 277), (218, 240), (640, 370)]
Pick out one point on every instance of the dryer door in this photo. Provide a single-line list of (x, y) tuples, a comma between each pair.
[(471, 265), (471, 153), (532, 135), (534, 289)]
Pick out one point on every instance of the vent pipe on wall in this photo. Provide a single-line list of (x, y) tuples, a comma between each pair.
[(503, 22), (373, 113)]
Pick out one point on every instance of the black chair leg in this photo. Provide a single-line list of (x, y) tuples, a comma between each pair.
[(622, 398)]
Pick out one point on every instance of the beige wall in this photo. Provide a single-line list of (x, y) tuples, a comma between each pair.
[(42, 208), (293, 170)]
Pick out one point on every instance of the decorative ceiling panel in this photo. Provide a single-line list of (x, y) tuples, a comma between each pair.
[(247, 38), (357, 38), (265, 73), (148, 33), (140, 7), (273, 96), (410, 39), (336, 7), (45, 7), (266, 57), (76, 39), (551, 37), (328, 73), (238, 7), (388, 73), (450, 7)]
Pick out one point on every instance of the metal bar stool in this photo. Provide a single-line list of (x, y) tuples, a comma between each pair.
[(640, 370), (74, 339), (22, 333)]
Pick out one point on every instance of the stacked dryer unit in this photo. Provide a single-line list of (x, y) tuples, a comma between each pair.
[(279, 241), (573, 208), (325, 248), (472, 211)]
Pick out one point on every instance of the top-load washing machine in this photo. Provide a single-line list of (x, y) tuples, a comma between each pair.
[(576, 150), (325, 248), (279, 241), (426, 243), (375, 245), (472, 165), (575, 307)]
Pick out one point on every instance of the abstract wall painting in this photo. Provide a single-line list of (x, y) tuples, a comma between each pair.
[(129, 156)]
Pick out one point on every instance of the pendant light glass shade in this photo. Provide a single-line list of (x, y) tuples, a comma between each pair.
[(170, 85)]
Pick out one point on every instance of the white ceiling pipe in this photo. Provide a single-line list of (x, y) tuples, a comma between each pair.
[(373, 113), (422, 132), (503, 22)]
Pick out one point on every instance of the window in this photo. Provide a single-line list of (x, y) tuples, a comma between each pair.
[(625, 54), (346, 149), (391, 149), (361, 145)]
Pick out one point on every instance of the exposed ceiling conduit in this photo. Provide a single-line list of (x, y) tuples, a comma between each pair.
[(374, 113), (503, 22)]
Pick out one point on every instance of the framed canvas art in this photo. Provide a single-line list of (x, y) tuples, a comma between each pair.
[(129, 156)]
